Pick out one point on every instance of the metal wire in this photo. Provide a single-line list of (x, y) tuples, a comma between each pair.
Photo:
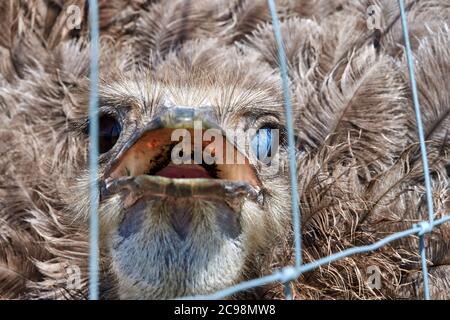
[(423, 148), (93, 152), (296, 216), (415, 97), (290, 133), (289, 273)]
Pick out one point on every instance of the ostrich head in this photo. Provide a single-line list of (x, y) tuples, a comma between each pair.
[(192, 183)]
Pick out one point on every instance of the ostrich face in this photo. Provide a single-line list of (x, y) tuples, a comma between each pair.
[(185, 204)]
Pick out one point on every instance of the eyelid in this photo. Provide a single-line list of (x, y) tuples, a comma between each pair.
[(268, 120), (275, 125), (83, 124)]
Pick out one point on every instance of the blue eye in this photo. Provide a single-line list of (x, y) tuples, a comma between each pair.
[(262, 144)]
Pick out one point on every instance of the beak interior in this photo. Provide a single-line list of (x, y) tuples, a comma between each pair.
[(157, 154)]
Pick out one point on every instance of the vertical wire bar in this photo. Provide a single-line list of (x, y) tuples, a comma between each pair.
[(290, 133), (423, 260), (423, 150), (415, 96), (291, 144), (288, 291), (93, 152)]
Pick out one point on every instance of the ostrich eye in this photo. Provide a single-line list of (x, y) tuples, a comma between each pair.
[(109, 132), (262, 144)]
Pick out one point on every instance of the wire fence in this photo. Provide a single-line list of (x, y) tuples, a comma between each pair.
[(288, 273), (93, 152)]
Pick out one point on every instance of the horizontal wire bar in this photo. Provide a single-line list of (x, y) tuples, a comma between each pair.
[(291, 273)]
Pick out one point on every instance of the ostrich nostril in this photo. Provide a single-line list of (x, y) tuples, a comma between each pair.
[(132, 221)]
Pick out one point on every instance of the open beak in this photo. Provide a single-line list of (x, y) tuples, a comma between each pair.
[(167, 159)]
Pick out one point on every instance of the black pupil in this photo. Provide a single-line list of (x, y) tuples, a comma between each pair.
[(109, 132)]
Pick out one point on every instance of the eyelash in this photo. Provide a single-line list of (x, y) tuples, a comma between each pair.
[(274, 125)]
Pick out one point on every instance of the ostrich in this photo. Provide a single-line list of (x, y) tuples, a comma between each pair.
[(171, 229)]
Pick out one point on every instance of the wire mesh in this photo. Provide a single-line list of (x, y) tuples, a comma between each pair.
[(288, 273), (93, 152)]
